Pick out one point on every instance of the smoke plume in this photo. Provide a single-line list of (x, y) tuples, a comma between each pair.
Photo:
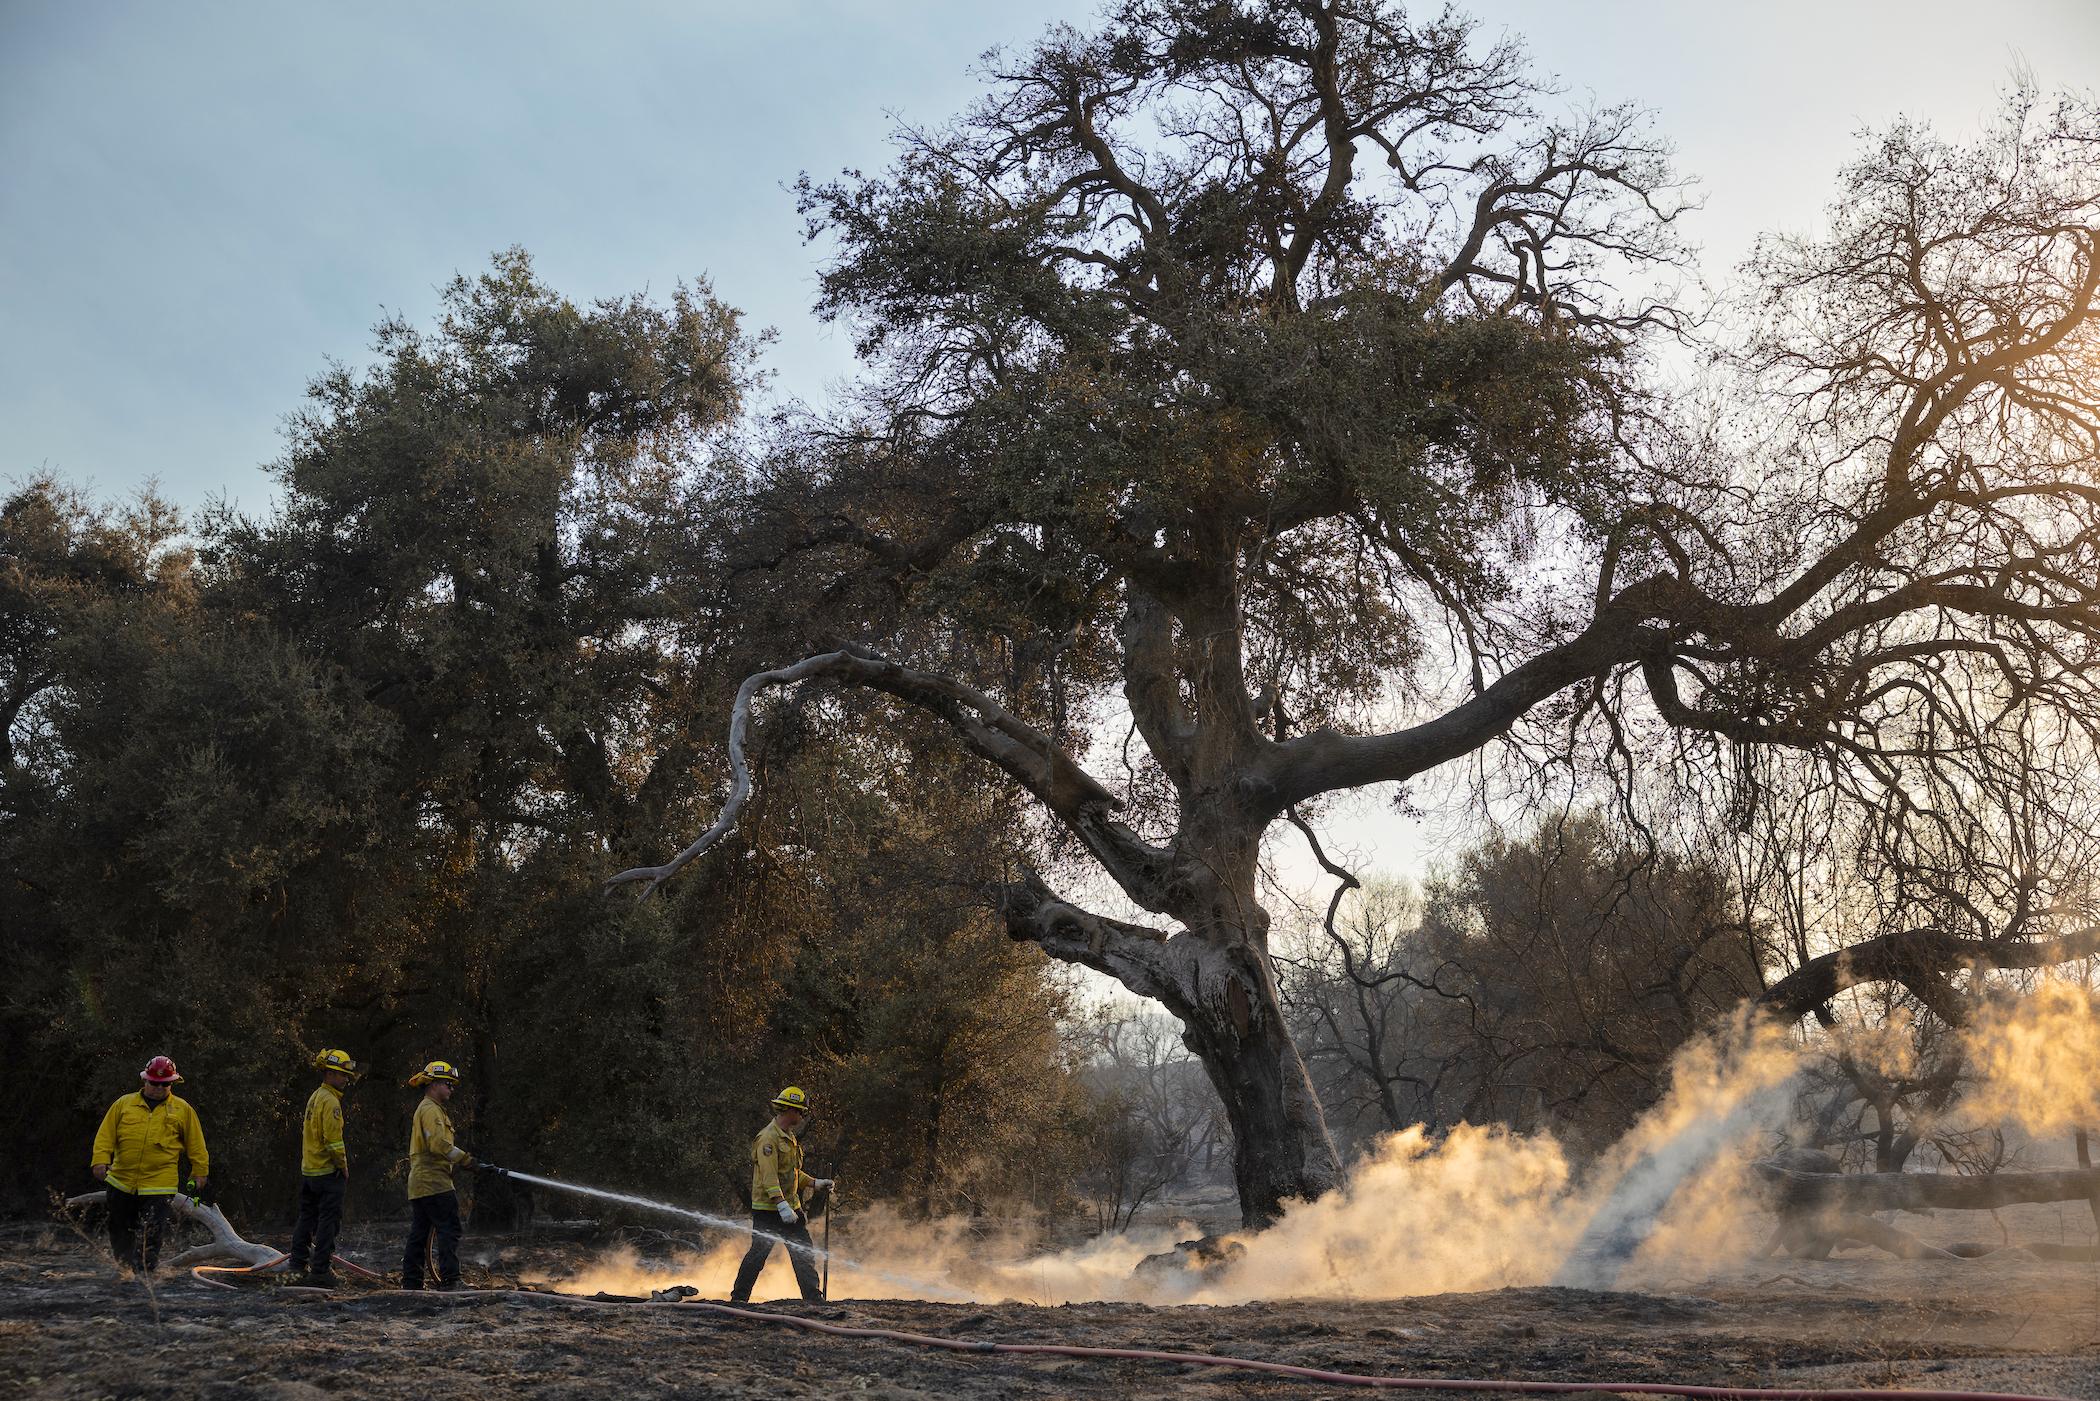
[(2033, 1057), (1477, 1208)]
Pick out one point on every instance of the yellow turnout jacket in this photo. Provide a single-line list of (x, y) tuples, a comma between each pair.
[(776, 1169), (324, 1154), (141, 1141), (431, 1152)]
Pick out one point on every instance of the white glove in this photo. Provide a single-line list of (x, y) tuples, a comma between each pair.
[(823, 1182), (787, 1214)]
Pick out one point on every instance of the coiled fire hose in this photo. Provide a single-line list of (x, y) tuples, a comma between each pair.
[(1501, 1385)]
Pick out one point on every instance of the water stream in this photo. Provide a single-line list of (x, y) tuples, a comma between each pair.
[(723, 1223), (1631, 1213)]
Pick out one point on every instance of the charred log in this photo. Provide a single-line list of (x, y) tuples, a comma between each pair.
[(1861, 1193)]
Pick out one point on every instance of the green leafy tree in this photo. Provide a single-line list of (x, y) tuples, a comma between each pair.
[(350, 775), (186, 810)]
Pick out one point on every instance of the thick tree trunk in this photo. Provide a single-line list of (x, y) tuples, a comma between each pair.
[(1218, 985), (1281, 1147), (1231, 1016), (1235, 1024)]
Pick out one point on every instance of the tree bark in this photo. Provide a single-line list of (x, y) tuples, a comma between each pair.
[(1282, 1149), (1217, 983)]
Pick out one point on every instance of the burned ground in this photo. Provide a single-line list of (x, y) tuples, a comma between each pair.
[(70, 1327)]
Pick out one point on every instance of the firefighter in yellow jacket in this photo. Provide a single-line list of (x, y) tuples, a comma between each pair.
[(135, 1159), (324, 1173), (779, 1187), (433, 1204)]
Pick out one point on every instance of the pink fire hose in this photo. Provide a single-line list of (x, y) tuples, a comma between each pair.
[(1502, 1385), (202, 1273), (1315, 1374)]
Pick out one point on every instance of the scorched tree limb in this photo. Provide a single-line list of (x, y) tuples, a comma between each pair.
[(985, 727), (1918, 959)]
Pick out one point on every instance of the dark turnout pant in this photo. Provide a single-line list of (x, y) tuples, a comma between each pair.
[(134, 1226), (320, 1217), (433, 1218), (767, 1231)]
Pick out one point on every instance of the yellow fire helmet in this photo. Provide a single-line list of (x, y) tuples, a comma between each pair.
[(337, 1060), (436, 1070), (791, 1098)]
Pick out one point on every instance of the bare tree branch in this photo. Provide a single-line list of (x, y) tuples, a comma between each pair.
[(986, 728)]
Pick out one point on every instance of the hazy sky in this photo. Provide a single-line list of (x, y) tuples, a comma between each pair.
[(201, 202)]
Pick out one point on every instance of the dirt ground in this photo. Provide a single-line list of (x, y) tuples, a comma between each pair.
[(71, 1327)]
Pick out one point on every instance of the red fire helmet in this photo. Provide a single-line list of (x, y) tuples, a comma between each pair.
[(160, 1071)]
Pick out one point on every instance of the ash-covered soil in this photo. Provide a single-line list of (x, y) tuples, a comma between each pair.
[(71, 1327)]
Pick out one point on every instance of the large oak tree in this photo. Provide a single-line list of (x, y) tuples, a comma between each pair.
[(1249, 373)]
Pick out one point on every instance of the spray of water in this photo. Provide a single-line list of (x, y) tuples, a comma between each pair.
[(1627, 1217), (720, 1223), (919, 1288), (1723, 1088)]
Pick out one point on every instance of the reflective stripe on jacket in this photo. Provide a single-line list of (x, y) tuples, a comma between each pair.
[(776, 1169), (324, 1154), (141, 1140), (431, 1152)]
